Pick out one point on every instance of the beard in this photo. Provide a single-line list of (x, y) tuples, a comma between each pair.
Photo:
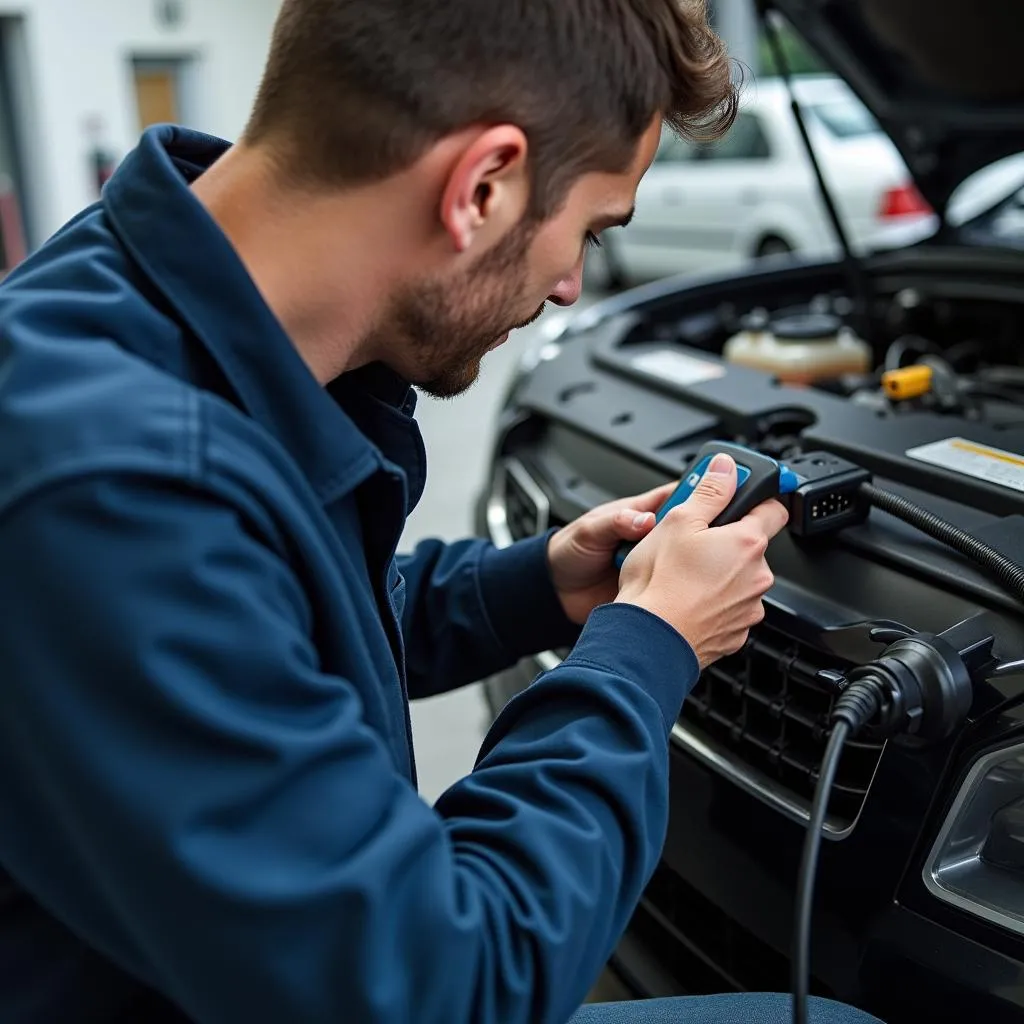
[(440, 330)]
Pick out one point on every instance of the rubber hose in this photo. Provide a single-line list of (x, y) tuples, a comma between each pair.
[(1008, 572), (859, 703)]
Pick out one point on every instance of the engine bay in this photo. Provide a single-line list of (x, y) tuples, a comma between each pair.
[(627, 397), (971, 350), (922, 385), (909, 365)]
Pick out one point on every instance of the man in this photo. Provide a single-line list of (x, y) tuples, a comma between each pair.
[(207, 454)]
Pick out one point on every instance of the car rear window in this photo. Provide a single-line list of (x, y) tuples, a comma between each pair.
[(845, 120)]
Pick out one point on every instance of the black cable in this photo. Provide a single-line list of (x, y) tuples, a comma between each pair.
[(908, 343), (857, 705), (808, 872), (1008, 572), (871, 689), (964, 349)]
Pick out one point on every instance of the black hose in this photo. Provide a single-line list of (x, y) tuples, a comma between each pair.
[(857, 705), (1008, 572), (908, 343), (801, 965)]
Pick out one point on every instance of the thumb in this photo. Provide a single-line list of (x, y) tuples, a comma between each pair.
[(713, 494)]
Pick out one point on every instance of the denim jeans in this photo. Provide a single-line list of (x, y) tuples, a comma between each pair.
[(726, 1009)]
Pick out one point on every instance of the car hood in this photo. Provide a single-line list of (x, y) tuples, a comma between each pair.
[(944, 78)]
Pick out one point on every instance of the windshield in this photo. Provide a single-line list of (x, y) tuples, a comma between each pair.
[(844, 119)]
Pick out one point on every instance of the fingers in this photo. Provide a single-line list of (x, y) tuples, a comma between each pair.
[(713, 494), (770, 517), (632, 522), (651, 501), (606, 530)]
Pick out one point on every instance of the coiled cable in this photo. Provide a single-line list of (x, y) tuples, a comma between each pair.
[(1007, 571)]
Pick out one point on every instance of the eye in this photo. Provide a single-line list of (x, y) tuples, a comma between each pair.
[(593, 242)]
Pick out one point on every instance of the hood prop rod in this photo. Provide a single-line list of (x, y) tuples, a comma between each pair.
[(859, 282)]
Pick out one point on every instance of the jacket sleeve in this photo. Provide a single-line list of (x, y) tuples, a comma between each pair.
[(192, 795), (472, 609)]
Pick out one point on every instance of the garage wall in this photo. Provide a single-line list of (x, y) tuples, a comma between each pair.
[(72, 64)]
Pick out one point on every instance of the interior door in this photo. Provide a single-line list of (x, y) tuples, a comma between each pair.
[(156, 92)]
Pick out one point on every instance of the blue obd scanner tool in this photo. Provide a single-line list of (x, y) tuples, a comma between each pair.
[(759, 478)]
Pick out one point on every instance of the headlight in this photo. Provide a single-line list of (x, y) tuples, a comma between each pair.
[(977, 862)]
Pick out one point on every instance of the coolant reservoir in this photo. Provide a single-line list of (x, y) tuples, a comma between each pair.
[(799, 349)]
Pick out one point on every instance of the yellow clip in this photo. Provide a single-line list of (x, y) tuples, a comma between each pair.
[(908, 382)]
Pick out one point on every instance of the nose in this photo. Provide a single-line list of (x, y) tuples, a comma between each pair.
[(569, 289)]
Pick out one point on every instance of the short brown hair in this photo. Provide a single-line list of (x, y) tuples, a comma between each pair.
[(357, 90)]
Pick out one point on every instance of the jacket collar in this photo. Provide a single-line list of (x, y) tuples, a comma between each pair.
[(176, 243)]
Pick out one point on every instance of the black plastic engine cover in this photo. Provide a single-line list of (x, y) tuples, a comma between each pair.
[(662, 400)]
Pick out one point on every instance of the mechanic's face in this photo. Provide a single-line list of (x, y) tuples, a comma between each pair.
[(448, 322)]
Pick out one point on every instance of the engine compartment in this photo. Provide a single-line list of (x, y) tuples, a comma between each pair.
[(626, 401), (652, 380), (973, 349), (621, 402)]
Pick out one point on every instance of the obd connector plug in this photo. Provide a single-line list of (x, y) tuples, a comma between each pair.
[(829, 494), (920, 689)]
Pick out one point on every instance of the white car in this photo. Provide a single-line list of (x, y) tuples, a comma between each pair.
[(714, 207)]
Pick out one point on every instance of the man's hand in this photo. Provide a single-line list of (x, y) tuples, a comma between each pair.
[(581, 555), (707, 582)]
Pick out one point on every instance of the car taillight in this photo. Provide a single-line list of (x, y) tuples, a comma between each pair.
[(903, 201)]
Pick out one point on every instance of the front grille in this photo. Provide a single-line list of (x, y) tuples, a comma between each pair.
[(525, 506), (699, 945), (763, 708), (525, 515)]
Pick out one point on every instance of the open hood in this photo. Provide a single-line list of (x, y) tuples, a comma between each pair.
[(944, 78)]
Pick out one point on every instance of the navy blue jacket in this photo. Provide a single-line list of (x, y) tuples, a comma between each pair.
[(207, 649)]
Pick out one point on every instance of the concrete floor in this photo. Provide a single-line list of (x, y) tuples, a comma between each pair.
[(458, 435)]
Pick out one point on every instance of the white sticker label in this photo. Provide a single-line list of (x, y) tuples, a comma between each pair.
[(972, 459), (677, 367)]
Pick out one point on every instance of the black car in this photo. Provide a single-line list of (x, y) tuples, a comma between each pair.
[(909, 364)]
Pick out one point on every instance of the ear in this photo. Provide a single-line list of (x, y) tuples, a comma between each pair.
[(488, 189)]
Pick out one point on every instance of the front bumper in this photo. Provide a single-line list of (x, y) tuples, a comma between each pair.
[(717, 914)]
